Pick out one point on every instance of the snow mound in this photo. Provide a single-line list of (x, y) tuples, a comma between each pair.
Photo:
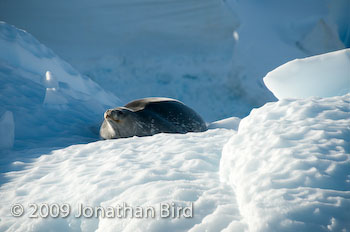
[(47, 97), (289, 165), (140, 171), (286, 169), (324, 75)]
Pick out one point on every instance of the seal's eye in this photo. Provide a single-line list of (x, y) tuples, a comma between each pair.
[(117, 115)]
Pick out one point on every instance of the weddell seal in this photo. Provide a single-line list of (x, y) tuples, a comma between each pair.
[(149, 116)]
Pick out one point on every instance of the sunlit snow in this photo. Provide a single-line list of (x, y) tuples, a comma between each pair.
[(265, 164)]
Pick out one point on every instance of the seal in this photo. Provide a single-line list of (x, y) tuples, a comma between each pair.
[(149, 116)]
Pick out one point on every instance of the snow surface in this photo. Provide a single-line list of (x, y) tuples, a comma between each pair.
[(324, 75), (286, 169), (141, 171), (289, 165)]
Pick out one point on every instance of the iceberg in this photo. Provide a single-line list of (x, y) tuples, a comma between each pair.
[(323, 75), (7, 130), (48, 98)]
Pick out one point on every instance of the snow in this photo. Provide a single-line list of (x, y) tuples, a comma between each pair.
[(283, 167), (227, 123), (142, 171), (289, 165), (7, 130), (324, 75)]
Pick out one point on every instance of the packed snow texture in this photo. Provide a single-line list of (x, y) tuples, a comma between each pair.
[(140, 171), (324, 75), (47, 97), (289, 165), (286, 169)]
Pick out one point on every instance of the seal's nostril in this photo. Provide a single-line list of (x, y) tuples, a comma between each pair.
[(107, 114)]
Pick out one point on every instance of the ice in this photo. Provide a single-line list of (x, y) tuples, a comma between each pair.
[(324, 75), (53, 99), (53, 96), (339, 14), (289, 165), (284, 167), (210, 54), (51, 80), (49, 99), (270, 35), (187, 46), (21, 50), (322, 38), (125, 27), (7, 130), (227, 123)]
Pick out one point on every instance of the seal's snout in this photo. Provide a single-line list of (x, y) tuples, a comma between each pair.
[(114, 114), (107, 114)]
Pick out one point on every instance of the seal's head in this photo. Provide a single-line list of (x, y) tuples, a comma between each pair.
[(118, 123), (116, 115)]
